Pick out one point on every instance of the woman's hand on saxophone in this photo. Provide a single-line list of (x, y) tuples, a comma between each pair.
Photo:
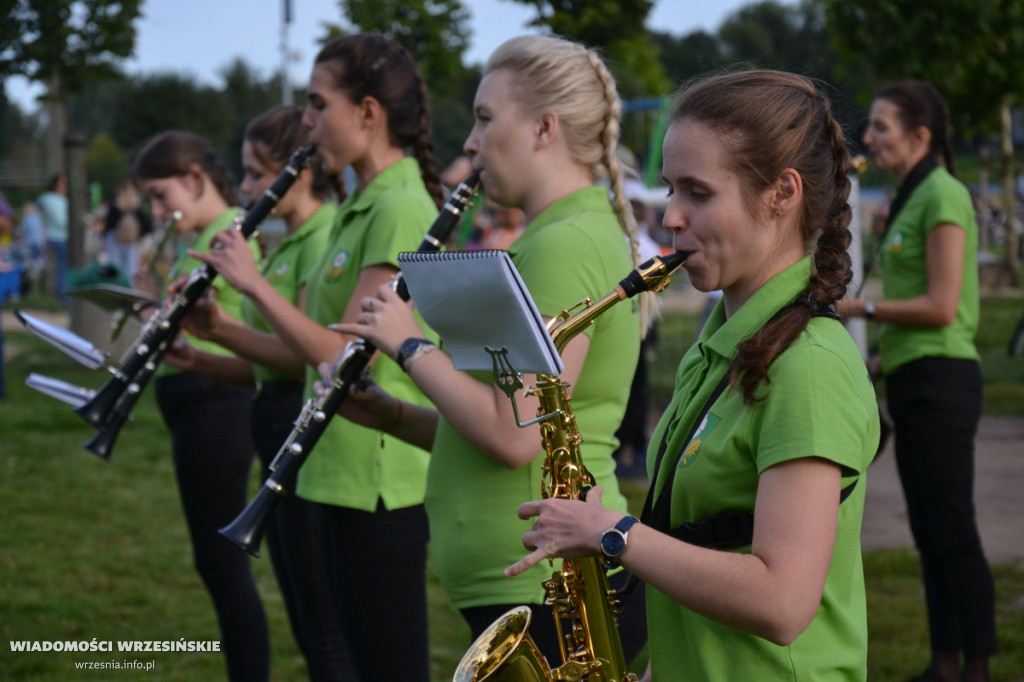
[(564, 528), (385, 321)]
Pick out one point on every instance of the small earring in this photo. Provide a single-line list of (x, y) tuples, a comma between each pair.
[(536, 145), (777, 212)]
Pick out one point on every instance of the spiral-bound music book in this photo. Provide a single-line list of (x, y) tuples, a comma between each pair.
[(476, 301)]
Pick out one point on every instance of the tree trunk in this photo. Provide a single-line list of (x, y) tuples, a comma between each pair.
[(56, 124), (1009, 202), (984, 202), (74, 147)]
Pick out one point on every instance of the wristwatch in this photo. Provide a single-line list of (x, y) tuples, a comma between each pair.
[(412, 349), (869, 310), (613, 541)]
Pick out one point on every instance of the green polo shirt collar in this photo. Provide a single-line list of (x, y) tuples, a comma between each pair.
[(394, 176), (780, 290), (315, 222)]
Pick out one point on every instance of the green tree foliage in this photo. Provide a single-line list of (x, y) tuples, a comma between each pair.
[(79, 40), (169, 101), (615, 26), (970, 50), (65, 44), (245, 95), (435, 32), (685, 57)]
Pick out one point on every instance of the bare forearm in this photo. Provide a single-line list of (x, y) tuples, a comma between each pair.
[(414, 424), (233, 370), (261, 348), (479, 412), (310, 341), (745, 594)]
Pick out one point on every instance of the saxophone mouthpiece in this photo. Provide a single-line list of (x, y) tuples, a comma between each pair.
[(652, 275)]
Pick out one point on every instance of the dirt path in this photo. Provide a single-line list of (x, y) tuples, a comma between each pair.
[(998, 494)]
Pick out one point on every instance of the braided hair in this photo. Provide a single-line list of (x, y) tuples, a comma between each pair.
[(367, 65), (555, 75), (771, 121), (172, 153)]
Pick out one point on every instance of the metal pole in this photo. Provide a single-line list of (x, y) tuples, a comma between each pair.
[(74, 151), (857, 326), (286, 18)]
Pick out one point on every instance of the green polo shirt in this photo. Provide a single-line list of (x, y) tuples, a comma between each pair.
[(226, 296), (573, 249), (352, 466), (820, 404), (287, 268), (939, 199)]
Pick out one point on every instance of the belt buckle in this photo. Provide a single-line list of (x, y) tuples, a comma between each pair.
[(258, 389)]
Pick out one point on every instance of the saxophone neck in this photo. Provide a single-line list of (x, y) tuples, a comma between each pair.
[(651, 275)]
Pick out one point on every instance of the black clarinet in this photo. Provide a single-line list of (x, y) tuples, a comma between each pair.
[(110, 408), (250, 525)]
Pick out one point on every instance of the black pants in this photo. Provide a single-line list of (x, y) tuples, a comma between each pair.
[(935, 404), (295, 539), (213, 453), (377, 571), (632, 622)]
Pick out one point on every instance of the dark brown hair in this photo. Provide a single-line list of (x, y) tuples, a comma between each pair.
[(275, 134), (366, 65), (172, 153), (919, 104), (770, 121)]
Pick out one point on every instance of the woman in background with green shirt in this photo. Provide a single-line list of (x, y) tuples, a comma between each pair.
[(208, 418), (366, 105), (929, 315), (294, 532), (750, 554), (547, 116)]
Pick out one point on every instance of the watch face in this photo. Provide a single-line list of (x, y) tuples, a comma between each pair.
[(409, 346), (613, 543)]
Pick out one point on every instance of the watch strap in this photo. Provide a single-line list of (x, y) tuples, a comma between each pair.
[(622, 529), (412, 349)]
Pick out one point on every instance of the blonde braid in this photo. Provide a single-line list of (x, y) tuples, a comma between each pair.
[(610, 164)]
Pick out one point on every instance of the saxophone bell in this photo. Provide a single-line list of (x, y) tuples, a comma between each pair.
[(505, 652)]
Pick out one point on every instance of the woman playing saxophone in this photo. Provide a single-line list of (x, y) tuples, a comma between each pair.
[(752, 553), (547, 122)]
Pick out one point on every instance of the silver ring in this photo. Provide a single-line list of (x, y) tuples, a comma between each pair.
[(372, 303)]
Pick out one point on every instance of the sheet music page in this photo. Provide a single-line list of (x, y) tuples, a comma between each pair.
[(476, 300)]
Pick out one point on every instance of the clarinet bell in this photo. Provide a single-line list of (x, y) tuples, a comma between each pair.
[(249, 527)]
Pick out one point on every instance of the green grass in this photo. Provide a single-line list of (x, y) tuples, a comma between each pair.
[(95, 550)]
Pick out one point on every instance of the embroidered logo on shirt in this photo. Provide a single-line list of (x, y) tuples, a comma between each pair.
[(337, 267), (896, 243), (278, 274), (693, 447)]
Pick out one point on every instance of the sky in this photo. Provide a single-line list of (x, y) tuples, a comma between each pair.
[(201, 37)]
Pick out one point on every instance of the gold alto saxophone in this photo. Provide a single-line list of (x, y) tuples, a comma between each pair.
[(584, 605)]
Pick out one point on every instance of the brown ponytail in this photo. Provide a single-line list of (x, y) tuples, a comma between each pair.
[(366, 65), (173, 153), (919, 104), (772, 121), (278, 132)]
